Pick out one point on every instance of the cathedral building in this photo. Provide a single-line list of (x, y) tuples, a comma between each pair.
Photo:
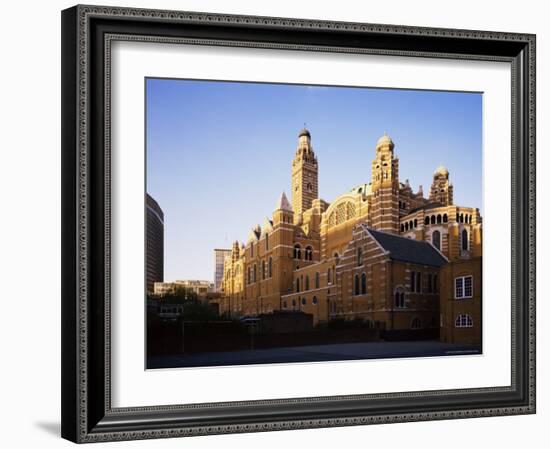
[(380, 253)]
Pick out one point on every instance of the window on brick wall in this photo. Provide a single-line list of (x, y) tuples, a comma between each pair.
[(464, 287), (399, 298), (436, 239), (464, 320)]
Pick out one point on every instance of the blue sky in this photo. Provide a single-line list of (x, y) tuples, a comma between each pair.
[(219, 154)]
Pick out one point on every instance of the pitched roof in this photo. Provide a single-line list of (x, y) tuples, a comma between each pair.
[(408, 250), (283, 203)]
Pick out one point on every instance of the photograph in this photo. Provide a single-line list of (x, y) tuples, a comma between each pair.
[(293, 223)]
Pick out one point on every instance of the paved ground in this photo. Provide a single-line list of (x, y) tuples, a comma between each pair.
[(318, 353)]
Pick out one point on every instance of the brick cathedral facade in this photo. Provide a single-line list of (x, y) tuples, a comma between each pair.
[(379, 253)]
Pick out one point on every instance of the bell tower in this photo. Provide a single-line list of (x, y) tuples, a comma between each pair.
[(385, 187), (304, 175), (441, 190)]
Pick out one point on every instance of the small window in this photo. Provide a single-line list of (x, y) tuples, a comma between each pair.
[(464, 320), (314, 300), (297, 252), (359, 256), (270, 268), (399, 298), (317, 282), (263, 270), (309, 253), (416, 323), (436, 240), (363, 284), (307, 283), (413, 281), (464, 287), (356, 285), (304, 301), (297, 285), (464, 240)]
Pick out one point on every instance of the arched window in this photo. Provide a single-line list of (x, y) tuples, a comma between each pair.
[(298, 285), (399, 298), (314, 300), (445, 218), (317, 283), (406, 226), (359, 256), (464, 240), (436, 239), (402, 228), (439, 219), (270, 267), (427, 220), (329, 276), (249, 275), (416, 323), (415, 222), (363, 284), (461, 218), (297, 251), (307, 283), (432, 219), (356, 284), (263, 270), (464, 320), (254, 274), (336, 258), (309, 253), (303, 301), (410, 224)]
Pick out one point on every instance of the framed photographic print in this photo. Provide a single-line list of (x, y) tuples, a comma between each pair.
[(275, 224)]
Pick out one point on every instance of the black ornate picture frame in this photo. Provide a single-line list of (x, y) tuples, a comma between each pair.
[(87, 34)]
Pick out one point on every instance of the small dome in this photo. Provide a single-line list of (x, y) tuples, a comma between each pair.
[(384, 140), (441, 170), (304, 132)]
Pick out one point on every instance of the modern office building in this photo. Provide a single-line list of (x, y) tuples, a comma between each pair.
[(219, 259), (154, 243)]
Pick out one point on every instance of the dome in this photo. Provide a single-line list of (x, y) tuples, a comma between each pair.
[(304, 132), (441, 170), (384, 140)]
